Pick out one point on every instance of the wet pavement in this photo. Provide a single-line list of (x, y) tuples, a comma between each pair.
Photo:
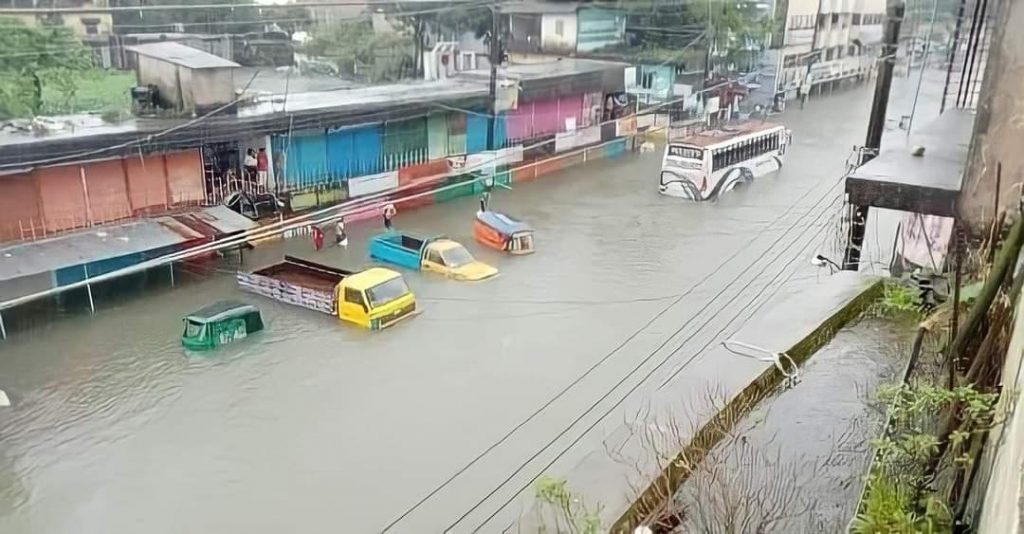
[(314, 426)]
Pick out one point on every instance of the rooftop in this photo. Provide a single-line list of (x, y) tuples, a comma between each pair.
[(115, 241), (56, 140), (928, 184), (538, 7), (713, 137), (186, 56), (221, 310)]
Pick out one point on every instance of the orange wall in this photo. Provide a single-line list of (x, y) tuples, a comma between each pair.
[(147, 183), (19, 203), (53, 197), (108, 191), (60, 192), (185, 176)]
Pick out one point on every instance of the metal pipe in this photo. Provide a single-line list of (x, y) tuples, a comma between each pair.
[(88, 289), (3, 328), (924, 65)]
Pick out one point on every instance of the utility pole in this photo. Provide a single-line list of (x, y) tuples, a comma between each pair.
[(876, 125), (493, 86)]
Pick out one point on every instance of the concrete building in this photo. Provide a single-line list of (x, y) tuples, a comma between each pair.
[(86, 26), (188, 80), (563, 28), (826, 42)]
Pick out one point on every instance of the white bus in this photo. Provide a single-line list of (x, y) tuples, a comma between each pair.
[(706, 165)]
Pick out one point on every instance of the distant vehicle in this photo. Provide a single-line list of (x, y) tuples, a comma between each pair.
[(714, 162), (375, 298), (435, 254), (220, 324), (499, 231)]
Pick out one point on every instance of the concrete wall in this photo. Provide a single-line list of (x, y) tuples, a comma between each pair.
[(1005, 458), (553, 40), (164, 76), (997, 137), (212, 87)]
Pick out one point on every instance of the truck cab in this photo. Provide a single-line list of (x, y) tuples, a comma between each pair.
[(375, 298), (444, 256)]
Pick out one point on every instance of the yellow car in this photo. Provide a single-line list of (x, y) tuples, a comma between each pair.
[(451, 259)]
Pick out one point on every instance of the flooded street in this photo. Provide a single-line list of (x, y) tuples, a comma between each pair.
[(314, 426)]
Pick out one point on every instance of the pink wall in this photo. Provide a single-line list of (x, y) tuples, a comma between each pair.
[(545, 117)]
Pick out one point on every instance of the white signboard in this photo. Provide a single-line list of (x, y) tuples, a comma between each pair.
[(712, 105), (374, 183), (487, 160), (565, 141)]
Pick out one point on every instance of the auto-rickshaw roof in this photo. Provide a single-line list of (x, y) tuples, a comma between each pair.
[(503, 223), (225, 309)]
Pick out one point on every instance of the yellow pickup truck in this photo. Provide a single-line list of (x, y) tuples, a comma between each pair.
[(375, 298)]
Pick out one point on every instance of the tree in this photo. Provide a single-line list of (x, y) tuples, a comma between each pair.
[(360, 52), (33, 58), (737, 32)]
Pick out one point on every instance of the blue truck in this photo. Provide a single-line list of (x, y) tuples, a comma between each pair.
[(436, 254)]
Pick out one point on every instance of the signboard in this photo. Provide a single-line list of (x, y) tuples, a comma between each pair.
[(626, 126), (925, 239), (565, 141), (582, 137), (712, 106), (506, 96), (485, 161), (374, 183)]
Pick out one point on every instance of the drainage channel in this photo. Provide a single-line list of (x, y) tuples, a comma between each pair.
[(796, 462)]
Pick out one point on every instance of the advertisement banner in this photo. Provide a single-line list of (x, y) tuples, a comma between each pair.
[(925, 239)]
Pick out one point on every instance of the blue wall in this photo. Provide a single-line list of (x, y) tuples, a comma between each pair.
[(354, 152), (476, 133)]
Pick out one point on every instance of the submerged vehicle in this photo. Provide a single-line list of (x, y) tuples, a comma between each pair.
[(714, 162), (502, 232), (219, 324), (375, 298), (435, 254)]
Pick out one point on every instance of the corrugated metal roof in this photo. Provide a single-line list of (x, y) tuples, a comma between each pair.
[(46, 255), (185, 56)]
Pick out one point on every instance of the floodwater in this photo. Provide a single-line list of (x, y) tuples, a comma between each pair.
[(313, 426), (807, 448)]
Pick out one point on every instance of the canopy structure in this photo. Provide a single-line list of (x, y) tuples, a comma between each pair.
[(503, 223), (222, 310)]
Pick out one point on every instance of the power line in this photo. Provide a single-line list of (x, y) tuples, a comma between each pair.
[(630, 374), (644, 379), (607, 356), (449, 5)]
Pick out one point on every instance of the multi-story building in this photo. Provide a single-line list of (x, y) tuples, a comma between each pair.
[(86, 26), (826, 42)]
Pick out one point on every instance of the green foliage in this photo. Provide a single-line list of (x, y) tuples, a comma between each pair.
[(898, 300), (96, 90), (902, 454), (360, 52), (569, 509), (737, 32), (37, 58)]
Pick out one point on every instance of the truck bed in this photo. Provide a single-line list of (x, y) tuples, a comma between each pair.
[(399, 249), (297, 282)]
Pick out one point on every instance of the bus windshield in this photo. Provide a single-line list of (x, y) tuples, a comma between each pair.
[(685, 152)]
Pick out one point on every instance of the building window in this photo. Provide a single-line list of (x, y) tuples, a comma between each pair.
[(835, 18), (852, 51), (790, 61), (856, 19), (559, 28), (647, 80), (828, 54), (92, 26)]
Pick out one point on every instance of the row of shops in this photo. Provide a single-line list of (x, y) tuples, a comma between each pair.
[(320, 149)]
